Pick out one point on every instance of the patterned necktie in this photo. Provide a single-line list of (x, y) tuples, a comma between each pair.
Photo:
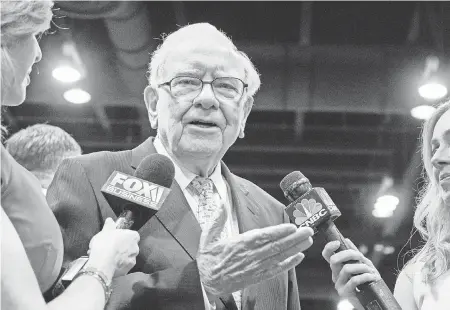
[(203, 188)]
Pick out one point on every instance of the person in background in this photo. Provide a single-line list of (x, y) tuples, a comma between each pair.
[(31, 241), (40, 149), (218, 241), (424, 282)]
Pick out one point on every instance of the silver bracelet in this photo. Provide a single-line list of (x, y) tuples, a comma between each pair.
[(100, 276)]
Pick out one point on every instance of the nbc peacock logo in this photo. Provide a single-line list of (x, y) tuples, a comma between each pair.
[(306, 209)]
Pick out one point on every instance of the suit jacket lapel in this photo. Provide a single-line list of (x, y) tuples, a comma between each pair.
[(246, 210), (249, 217), (175, 213), (142, 150), (177, 217)]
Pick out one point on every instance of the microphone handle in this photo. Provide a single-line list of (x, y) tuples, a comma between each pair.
[(125, 220), (374, 295)]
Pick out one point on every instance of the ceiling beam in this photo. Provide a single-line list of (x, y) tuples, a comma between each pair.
[(414, 27), (305, 23), (308, 172), (102, 117), (180, 13), (435, 19), (311, 150)]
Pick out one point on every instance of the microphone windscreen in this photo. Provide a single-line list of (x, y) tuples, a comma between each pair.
[(156, 168), (290, 179)]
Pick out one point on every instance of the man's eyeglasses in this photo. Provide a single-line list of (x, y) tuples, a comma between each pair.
[(224, 88)]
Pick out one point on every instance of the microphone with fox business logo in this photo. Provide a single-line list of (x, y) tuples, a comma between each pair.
[(140, 197), (313, 207), (142, 194)]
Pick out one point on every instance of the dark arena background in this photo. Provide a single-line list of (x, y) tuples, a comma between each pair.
[(340, 83)]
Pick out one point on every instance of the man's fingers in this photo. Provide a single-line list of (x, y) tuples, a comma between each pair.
[(214, 229), (269, 262), (258, 237), (329, 249), (279, 250), (282, 266)]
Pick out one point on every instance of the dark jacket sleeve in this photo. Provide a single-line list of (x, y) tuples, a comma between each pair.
[(75, 205), (293, 294)]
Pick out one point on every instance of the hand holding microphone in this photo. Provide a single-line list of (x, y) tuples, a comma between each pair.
[(113, 250), (312, 207), (349, 268)]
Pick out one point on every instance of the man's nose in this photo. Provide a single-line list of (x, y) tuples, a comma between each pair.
[(206, 98)]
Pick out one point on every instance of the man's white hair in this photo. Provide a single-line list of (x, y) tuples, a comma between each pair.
[(201, 34)]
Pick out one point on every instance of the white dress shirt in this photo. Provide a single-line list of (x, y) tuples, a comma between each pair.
[(222, 195)]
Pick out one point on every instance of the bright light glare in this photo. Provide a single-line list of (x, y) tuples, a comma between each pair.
[(388, 250), (66, 74), (432, 91), (382, 213), (77, 96), (345, 305), (385, 206), (422, 112), (363, 248), (388, 199)]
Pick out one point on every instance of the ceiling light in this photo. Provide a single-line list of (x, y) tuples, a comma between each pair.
[(66, 74), (389, 249), (385, 206), (345, 305), (422, 112), (382, 213), (433, 91), (388, 199), (77, 96)]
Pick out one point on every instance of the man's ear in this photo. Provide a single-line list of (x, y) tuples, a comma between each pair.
[(247, 108), (151, 100)]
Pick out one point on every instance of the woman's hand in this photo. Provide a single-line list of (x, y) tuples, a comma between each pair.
[(348, 275), (113, 251)]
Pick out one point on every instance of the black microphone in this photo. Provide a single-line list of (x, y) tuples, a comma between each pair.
[(313, 207), (141, 195)]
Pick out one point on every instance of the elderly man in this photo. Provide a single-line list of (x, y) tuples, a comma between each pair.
[(41, 148), (218, 241)]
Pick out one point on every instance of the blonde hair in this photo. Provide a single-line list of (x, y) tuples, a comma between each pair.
[(205, 34), (18, 20), (432, 217)]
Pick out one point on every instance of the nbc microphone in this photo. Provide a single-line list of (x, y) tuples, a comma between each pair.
[(142, 194), (313, 207)]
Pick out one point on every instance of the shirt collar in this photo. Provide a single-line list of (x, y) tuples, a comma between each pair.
[(184, 177)]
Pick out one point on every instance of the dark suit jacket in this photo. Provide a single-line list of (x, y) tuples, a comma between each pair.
[(166, 274)]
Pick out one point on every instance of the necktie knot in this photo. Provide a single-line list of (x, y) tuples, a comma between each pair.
[(202, 186)]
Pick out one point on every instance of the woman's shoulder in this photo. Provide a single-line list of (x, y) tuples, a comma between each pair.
[(409, 288)]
